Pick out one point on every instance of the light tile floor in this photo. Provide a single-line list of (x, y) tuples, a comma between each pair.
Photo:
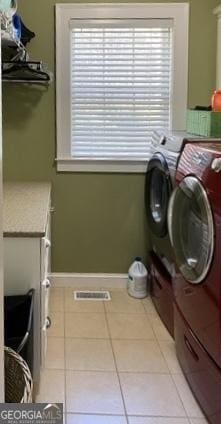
[(114, 363)]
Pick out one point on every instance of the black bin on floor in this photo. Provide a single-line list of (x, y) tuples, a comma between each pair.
[(18, 311)]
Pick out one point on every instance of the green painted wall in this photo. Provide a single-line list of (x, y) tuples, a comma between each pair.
[(99, 223)]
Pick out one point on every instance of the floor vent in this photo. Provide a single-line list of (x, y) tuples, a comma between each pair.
[(92, 295)]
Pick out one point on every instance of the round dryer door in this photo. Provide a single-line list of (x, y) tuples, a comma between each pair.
[(191, 229), (157, 193)]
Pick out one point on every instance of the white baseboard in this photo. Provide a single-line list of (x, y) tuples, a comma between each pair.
[(106, 281)]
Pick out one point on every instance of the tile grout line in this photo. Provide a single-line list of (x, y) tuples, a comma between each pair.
[(189, 416), (169, 370), (64, 350), (105, 414), (164, 355), (62, 312), (103, 338), (110, 313), (115, 362), (158, 343), (88, 414), (109, 370), (181, 399), (143, 306)]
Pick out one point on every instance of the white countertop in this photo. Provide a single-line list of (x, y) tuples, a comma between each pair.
[(25, 208)]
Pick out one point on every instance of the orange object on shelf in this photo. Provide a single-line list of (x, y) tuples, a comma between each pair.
[(216, 101)]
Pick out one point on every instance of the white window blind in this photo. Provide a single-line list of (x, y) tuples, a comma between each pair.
[(121, 72)]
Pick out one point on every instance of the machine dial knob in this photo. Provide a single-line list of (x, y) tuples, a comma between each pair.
[(216, 165)]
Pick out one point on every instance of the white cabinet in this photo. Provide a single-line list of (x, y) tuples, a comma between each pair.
[(27, 265), (45, 292), (1, 255)]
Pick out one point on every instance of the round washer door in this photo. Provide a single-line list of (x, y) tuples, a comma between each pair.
[(191, 229), (157, 193)]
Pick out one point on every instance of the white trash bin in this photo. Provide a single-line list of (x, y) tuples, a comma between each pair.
[(138, 278)]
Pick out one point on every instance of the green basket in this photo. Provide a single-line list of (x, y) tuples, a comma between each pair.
[(204, 123)]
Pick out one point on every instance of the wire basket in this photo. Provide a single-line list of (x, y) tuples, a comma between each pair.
[(18, 379)]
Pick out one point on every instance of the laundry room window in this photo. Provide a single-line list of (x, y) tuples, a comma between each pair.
[(115, 84)]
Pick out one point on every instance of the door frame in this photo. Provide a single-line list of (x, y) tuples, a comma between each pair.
[(1, 257)]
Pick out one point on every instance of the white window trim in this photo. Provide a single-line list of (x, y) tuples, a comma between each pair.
[(217, 11), (179, 12)]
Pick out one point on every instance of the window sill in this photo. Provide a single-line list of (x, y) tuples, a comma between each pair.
[(96, 166)]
